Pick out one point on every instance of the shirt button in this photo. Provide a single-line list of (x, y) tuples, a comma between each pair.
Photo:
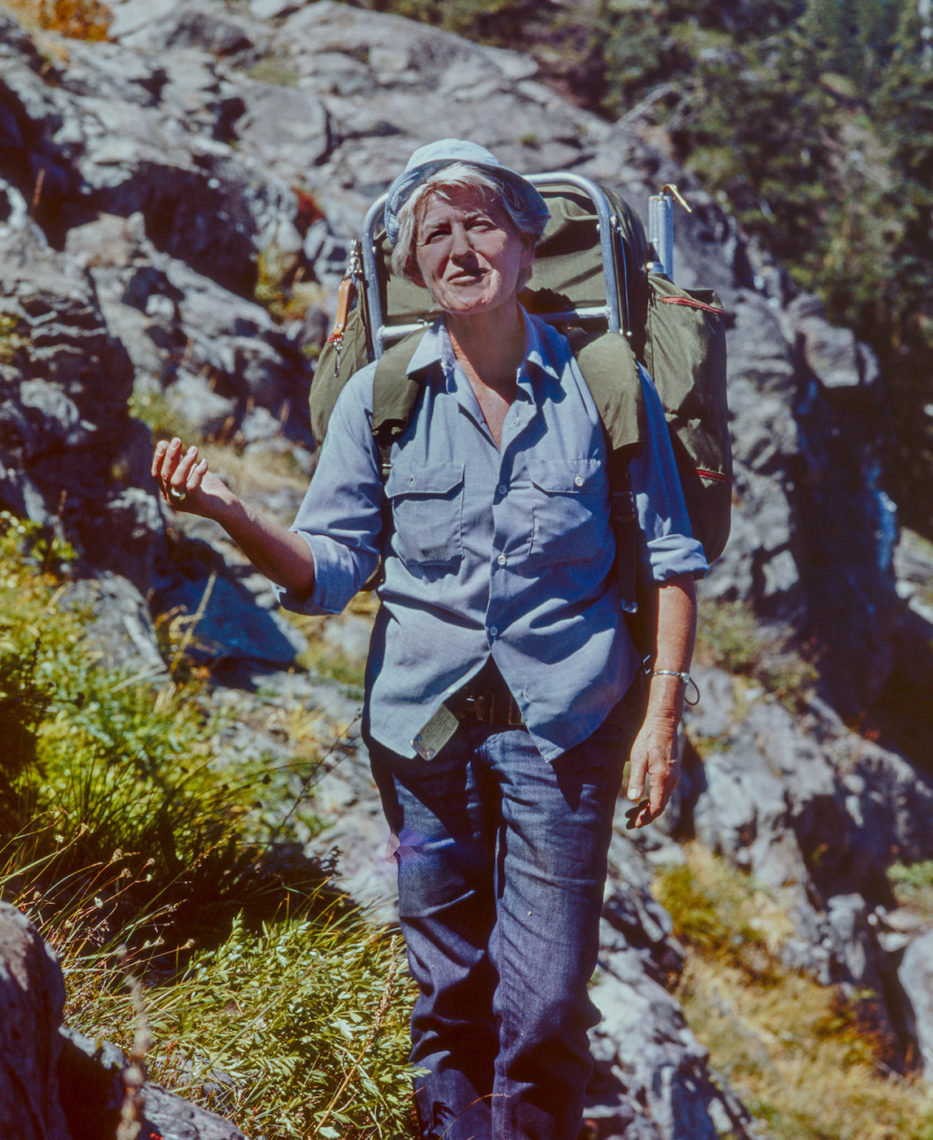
[(502, 488), (578, 480), (502, 559), (493, 631)]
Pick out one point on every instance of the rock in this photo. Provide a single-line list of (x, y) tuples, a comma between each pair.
[(833, 354), (91, 1077), (75, 461), (229, 628), (32, 997), (119, 625), (916, 976)]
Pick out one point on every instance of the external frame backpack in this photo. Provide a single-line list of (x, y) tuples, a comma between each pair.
[(598, 278)]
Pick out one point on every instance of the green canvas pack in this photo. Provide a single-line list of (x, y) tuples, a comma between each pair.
[(595, 277)]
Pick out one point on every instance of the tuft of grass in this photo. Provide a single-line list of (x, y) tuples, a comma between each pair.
[(810, 1062), (275, 72), (731, 636), (281, 289), (316, 1009), (912, 884), (162, 418)]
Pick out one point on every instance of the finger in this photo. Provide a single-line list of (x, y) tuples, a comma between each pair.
[(194, 479), (169, 461), (157, 456), (657, 791), (636, 778), (663, 784), (183, 470)]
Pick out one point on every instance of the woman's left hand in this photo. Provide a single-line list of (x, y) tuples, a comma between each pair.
[(655, 769)]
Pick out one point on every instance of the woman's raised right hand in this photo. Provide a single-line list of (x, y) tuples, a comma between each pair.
[(184, 479)]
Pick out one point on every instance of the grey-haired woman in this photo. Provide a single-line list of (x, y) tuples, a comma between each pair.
[(501, 691)]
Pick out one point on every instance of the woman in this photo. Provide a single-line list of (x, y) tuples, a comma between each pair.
[(502, 693)]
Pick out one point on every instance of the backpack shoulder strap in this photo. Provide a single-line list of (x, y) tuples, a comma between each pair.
[(609, 368), (611, 374), (395, 394)]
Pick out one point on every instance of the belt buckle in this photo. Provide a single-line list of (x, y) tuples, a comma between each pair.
[(480, 706)]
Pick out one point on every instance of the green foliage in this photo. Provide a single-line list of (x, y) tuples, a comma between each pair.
[(912, 884), (163, 418), (773, 160), (124, 838), (316, 1010), (731, 636), (499, 21), (853, 38), (717, 910)]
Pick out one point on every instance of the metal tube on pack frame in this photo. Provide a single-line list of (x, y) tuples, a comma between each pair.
[(661, 230)]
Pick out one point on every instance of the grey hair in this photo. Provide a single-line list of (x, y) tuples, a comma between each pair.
[(529, 224)]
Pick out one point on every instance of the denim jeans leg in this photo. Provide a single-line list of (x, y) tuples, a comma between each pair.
[(444, 815), (556, 830)]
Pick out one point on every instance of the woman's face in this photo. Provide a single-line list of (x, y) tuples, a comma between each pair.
[(470, 256)]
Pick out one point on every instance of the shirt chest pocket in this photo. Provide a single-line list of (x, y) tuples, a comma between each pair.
[(427, 512), (569, 508)]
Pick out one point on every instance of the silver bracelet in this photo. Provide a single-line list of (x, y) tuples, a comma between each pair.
[(685, 677)]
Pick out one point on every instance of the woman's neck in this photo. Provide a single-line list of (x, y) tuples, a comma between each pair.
[(490, 347)]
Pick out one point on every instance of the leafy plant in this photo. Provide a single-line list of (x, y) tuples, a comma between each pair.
[(315, 1009)]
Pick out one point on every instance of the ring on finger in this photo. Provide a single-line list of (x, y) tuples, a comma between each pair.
[(177, 494)]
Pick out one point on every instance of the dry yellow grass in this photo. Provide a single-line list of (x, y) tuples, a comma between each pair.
[(77, 19), (806, 1059)]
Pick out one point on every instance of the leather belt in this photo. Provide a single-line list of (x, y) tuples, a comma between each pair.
[(488, 700)]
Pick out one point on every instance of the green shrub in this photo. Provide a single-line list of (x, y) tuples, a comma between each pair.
[(139, 853), (315, 1009)]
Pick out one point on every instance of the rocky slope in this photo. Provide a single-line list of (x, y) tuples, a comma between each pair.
[(153, 186)]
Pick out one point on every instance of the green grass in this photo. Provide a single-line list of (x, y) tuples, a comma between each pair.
[(142, 854), (912, 884), (730, 636)]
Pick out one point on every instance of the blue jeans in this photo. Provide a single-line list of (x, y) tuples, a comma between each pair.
[(501, 869)]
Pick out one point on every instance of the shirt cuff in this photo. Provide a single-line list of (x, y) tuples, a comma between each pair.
[(334, 575), (670, 555)]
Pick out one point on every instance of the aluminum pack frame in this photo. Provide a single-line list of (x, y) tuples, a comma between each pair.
[(614, 314)]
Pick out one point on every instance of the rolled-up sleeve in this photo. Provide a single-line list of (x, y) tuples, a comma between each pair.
[(669, 548), (340, 517)]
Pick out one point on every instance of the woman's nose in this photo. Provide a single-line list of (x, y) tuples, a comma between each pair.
[(460, 242)]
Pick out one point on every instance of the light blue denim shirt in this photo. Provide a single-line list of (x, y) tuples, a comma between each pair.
[(504, 551)]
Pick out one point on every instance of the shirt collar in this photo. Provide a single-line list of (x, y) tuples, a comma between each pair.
[(544, 350)]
